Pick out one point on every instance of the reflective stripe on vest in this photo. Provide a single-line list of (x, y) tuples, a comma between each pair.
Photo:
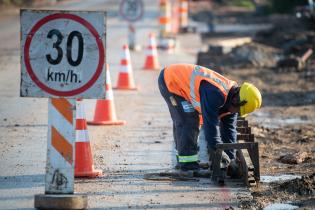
[(188, 159), (196, 72)]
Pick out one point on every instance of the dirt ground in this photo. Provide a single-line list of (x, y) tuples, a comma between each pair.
[(284, 127)]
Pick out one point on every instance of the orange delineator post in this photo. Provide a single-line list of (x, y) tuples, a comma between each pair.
[(169, 25), (183, 14), (125, 77), (83, 166), (105, 112), (165, 18), (151, 62), (175, 18), (60, 153)]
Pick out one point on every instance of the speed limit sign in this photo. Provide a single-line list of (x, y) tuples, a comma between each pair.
[(62, 54), (131, 10)]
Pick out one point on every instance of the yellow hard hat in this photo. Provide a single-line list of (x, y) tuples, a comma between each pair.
[(250, 94)]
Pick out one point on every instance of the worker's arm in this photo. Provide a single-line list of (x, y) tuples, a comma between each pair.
[(228, 131), (211, 99)]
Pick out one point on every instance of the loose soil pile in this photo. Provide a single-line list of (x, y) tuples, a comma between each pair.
[(299, 191), (253, 54), (284, 127), (303, 186)]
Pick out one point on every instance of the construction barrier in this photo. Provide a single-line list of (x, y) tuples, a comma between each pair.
[(61, 122), (105, 113), (83, 166), (183, 15), (175, 17), (169, 25), (151, 61), (125, 77), (165, 18)]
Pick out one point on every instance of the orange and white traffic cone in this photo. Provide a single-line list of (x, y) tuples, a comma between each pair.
[(151, 62), (83, 166), (105, 113), (125, 77)]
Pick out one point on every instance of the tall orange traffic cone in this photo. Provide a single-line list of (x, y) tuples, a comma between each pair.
[(105, 113), (125, 77), (83, 166), (151, 62)]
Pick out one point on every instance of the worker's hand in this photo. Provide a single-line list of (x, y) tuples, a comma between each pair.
[(225, 160)]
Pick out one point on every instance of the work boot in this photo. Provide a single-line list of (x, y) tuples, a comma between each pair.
[(201, 165), (177, 166), (234, 169), (204, 165), (192, 166)]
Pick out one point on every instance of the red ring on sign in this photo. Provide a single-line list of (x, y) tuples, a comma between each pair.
[(97, 39)]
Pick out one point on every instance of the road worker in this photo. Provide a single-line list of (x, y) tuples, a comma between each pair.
[(193, 91)]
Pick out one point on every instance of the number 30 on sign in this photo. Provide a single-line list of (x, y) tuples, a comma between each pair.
[(63, 54)]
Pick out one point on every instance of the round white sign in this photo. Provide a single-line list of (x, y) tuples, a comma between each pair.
[(131, 10), (63, 54)]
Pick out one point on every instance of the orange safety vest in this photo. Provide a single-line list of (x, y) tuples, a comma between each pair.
[(184, 80)]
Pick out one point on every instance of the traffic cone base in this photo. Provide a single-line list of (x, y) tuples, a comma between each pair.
[(106, 114), (151, 63), (125, 82), (118, 122), (84, 164)]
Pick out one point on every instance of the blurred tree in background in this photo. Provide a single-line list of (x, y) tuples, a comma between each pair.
[(266, 6), (250, 4), (19, 3), (284, 6), (16, 2)]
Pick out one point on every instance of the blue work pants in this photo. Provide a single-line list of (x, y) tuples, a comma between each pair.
[(185, 123)]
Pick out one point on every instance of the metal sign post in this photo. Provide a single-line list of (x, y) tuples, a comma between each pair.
[(131, 11), (132, 37), (63, 56)]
